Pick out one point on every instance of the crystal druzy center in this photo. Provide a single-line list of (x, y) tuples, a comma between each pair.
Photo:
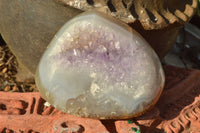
[(98, 68)]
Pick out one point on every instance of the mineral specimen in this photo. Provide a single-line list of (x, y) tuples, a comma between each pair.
[(98, 67)]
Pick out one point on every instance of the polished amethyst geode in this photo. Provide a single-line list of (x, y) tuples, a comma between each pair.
[(98, 67)]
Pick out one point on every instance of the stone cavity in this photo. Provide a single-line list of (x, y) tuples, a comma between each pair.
[(98, 67)]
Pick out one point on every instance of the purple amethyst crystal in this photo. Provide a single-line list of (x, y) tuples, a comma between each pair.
[(98, 67)]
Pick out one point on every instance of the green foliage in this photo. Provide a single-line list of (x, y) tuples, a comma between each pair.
[(136, 130), (129, 122)]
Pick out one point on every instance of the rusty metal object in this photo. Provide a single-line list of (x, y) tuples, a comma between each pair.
[(152, 14)]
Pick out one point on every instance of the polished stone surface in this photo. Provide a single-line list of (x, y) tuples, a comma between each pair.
[(97, 67)]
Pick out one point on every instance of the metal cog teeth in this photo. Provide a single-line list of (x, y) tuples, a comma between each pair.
[(154, 14)]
